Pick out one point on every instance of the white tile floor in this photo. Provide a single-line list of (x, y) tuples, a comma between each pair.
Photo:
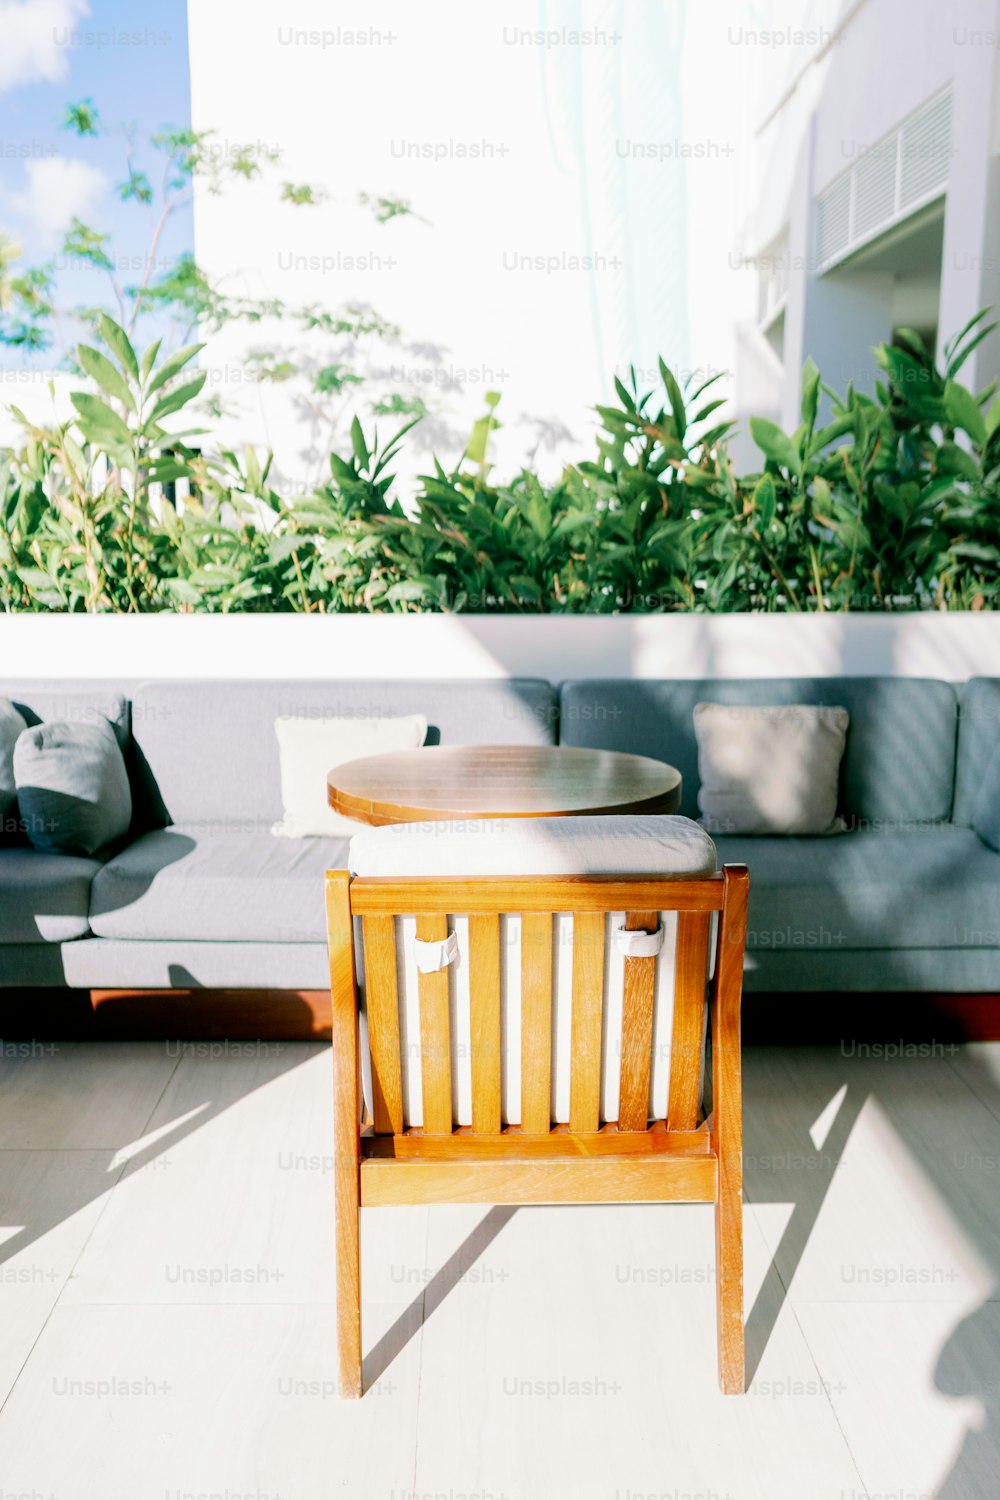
[(167, 1318)]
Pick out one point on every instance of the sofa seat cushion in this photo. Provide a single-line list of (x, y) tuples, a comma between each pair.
[(44, 898), (219, 886), (938, 888)]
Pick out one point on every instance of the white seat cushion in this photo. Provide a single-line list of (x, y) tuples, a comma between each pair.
[(621, 845)]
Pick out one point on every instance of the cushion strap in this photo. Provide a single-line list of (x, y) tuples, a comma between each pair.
[(436, 954), (639, 944)]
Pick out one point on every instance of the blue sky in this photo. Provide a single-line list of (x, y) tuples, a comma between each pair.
[(132, 61)]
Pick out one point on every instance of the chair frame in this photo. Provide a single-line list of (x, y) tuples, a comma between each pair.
[(678, 1159)]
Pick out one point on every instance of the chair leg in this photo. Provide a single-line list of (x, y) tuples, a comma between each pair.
[(727, 1133), (348, 1216), (346, 1176), (729, 1280)]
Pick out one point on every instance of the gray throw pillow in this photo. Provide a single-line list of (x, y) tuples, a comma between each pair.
[(72, 787), (12, 724), (770, 770), (986, 808)]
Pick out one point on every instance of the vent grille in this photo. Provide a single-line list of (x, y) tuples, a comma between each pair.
[(926, 152), (875, 188), (835, 219), (899, 174)]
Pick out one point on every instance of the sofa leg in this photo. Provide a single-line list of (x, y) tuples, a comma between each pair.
[(348, 1216)]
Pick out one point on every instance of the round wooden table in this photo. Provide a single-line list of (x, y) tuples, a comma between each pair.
[(500, 781)]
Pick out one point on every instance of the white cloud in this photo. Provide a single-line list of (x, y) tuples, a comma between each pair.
[(37, 36), (57, 190)]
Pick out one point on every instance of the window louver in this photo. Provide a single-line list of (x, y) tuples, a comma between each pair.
[(900, 173)]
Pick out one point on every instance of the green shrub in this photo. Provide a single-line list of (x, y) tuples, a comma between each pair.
[(894, 503)]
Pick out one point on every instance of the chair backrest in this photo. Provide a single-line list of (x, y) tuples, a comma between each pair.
[(527, 1000)]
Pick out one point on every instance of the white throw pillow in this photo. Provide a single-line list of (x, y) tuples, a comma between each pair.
[(770, 770), (309, 750)]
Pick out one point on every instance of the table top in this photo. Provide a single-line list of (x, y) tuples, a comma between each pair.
[(500, 781)]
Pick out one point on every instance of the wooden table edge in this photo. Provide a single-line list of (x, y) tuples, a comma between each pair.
[(378, 814)]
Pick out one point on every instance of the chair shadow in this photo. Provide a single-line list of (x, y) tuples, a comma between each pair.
[(765, 1178), (429, 1298), (800, 1174)]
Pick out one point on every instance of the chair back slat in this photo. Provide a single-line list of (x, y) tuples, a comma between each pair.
[(382, 1006), (435, 1032), (536, 1022), (690, 989), (637, 1028), (484, 1012), (485, 985), (585, 1025)]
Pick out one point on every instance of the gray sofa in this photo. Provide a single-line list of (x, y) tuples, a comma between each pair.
[(202, 895), (909, 898)]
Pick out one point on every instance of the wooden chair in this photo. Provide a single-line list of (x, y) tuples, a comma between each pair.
[(676, 1159)]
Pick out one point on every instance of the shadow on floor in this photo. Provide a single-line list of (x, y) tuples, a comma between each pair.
[(783, 1102), (801, 1109), (281, 1059)]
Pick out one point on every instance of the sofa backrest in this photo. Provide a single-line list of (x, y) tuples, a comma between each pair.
[(74, 703), (978, 738), (209, 753), (899, 764)]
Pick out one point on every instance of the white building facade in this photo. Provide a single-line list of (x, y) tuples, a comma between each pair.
[(874, 199)]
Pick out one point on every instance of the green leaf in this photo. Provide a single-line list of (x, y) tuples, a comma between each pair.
[(951, 459), (171, 366), (82, 118), (149, 358), (810, 394), (993, 418), (183, 591), (707, 410), (963, 411), (775, 444), (175, 399), (898, 499), (839, 427), (118, 342), (410, 589), (163, 470), (98, 420), (961, 355), (675, 398), (765, 501), (623, 395), (359, 445), (478, 443), (100, 369)]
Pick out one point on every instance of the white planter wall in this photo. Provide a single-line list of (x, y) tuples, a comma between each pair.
[(952, 646)]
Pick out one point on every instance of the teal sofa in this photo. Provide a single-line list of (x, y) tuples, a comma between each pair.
[(202, 895)]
